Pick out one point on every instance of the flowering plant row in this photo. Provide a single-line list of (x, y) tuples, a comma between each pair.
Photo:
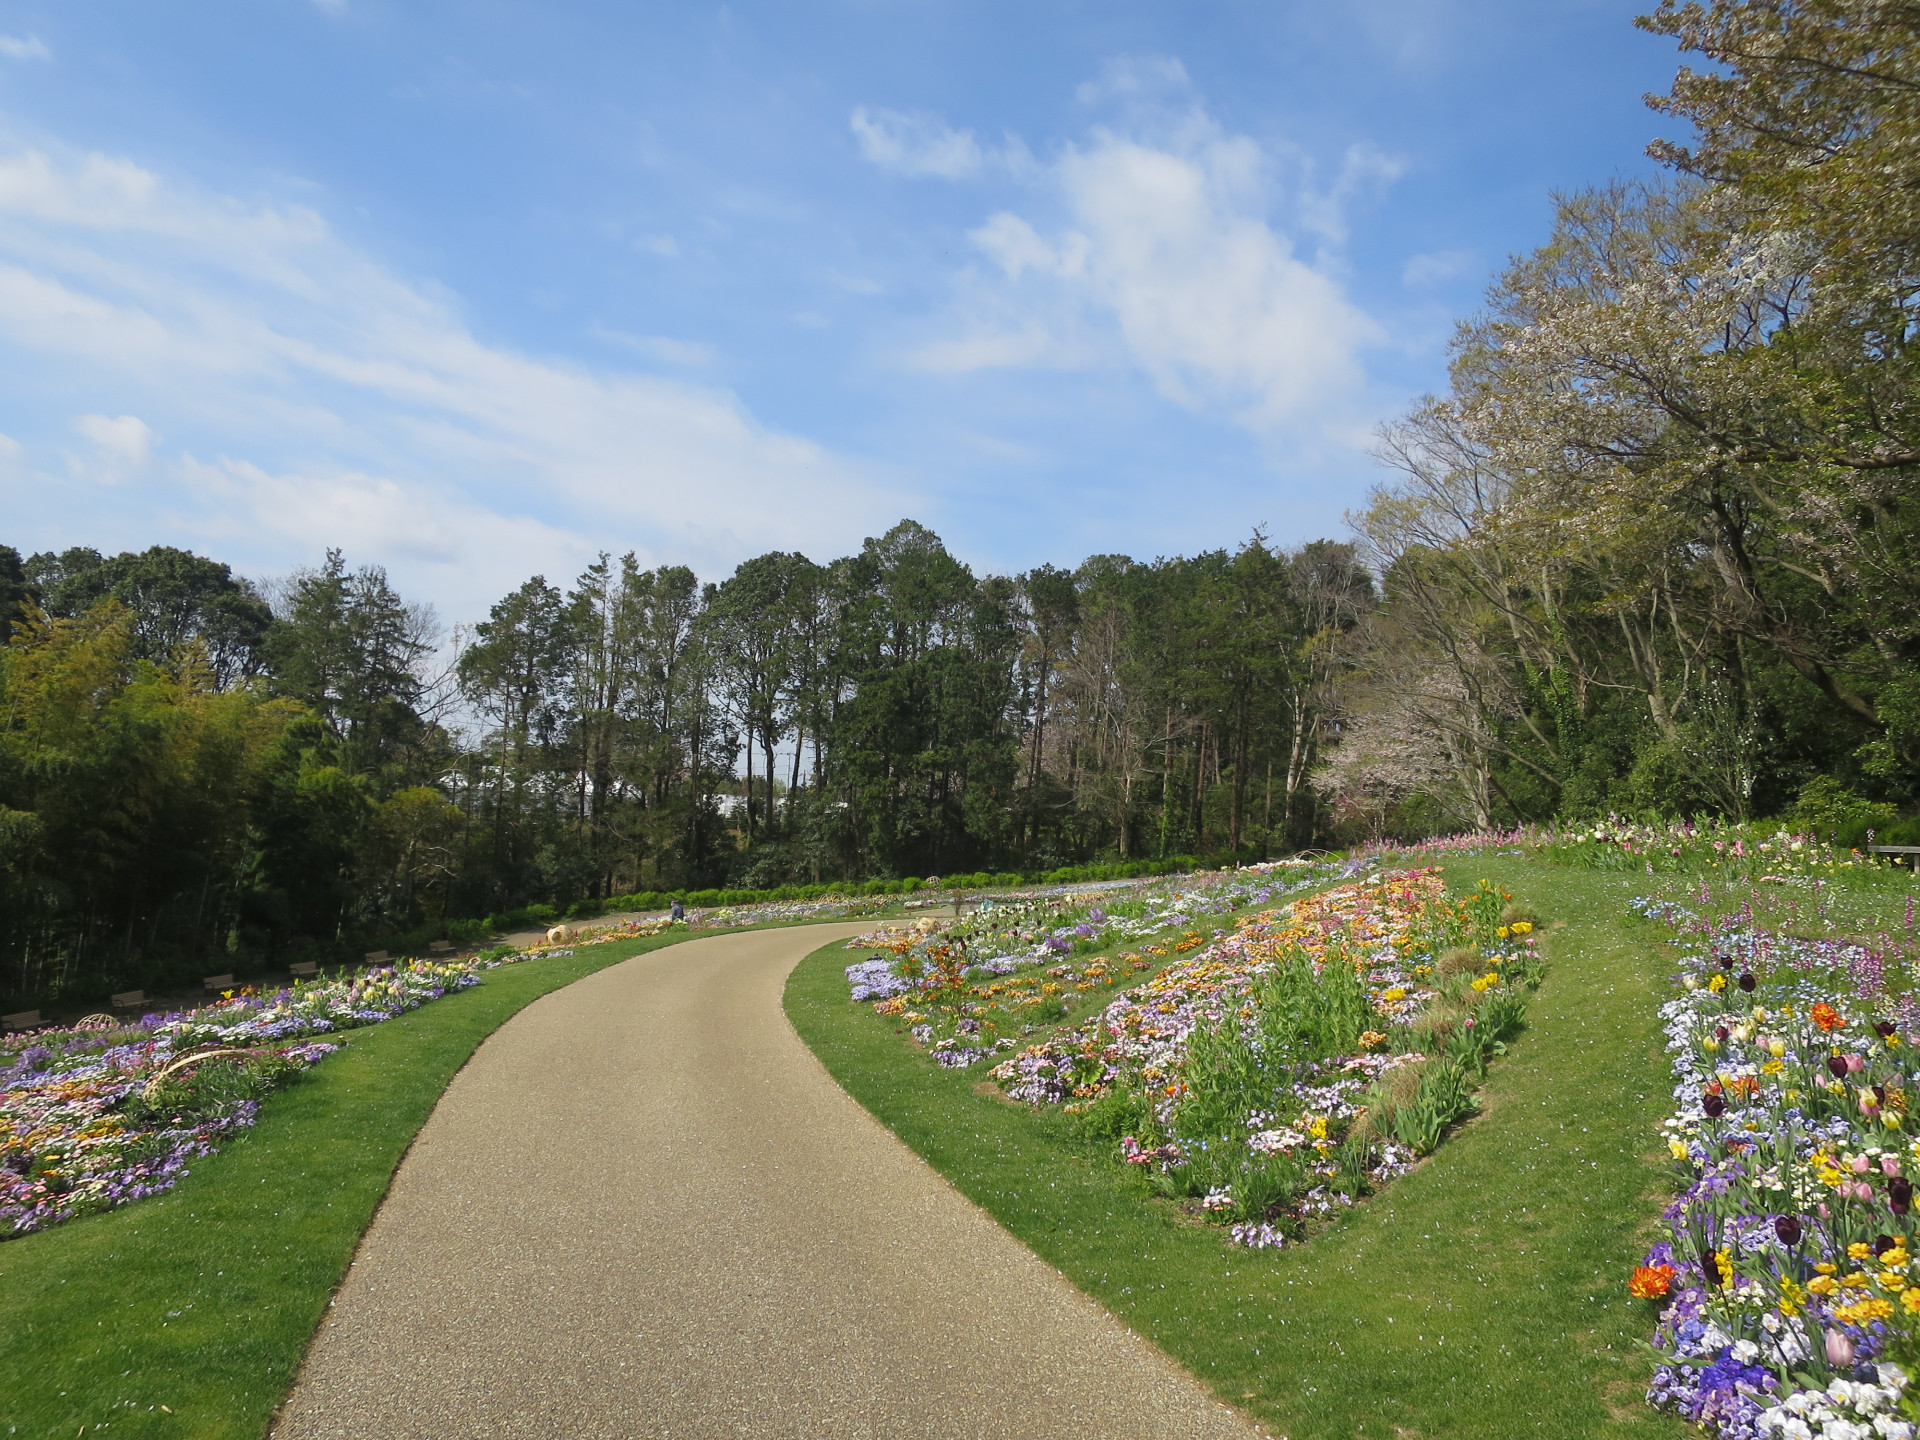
[(1279, 1070), (1025, 960), (93, 1119), (1789, 1278), (1759, 852)]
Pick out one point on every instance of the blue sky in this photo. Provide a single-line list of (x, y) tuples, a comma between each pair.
[(475, 290)]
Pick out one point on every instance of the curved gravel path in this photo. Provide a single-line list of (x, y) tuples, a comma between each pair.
[(644, 1209)]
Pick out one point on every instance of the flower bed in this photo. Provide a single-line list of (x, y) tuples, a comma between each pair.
[(1279, 1072), (89, 1121), (1789, 1279)]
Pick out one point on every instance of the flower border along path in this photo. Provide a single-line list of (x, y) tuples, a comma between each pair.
[(187, 1314), (1478, 1296)]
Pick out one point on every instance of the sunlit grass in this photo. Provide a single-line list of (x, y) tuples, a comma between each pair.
[(1481, 1296), (187, 1314)]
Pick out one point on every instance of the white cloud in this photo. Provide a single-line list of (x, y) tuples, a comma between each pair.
[(661, 348), (916, 144), (122, 446), (1165, 249), (1134, 77), (354, 403), (1423, 270), (28, 47)]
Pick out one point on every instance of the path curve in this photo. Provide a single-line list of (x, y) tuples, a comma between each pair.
[(644, 1209)]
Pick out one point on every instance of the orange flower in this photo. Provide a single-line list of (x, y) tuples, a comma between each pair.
[(1828, 1018), (1650, 1282)]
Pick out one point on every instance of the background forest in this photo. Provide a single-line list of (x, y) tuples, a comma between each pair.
[(1654, 552)]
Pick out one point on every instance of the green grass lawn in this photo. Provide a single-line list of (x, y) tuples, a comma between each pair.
[(1482, 1296), (187, 1314)]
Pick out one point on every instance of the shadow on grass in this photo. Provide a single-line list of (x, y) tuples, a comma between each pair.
[(1482, 1296)]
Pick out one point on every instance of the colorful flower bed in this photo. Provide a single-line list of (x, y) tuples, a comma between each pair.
[(1761, 852), (1281, 1071), (91, 1119), (1789, 1279)]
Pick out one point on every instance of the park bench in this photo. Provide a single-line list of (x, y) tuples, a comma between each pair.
[(216, 983), (23, 1020), (377, 957), (1911, 852), (440, 947), (129, 999), (304, 969)]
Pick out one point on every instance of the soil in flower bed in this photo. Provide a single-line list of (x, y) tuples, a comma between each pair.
[(1478, 1296)]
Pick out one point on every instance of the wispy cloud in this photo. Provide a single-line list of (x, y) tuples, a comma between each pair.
[(120, 447), (326, 397), (661, 348), (24, 47), (916, 144), (1432, 269)]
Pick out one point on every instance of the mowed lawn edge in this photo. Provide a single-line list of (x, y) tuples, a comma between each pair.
[(203, 1300), (1481, 1296)]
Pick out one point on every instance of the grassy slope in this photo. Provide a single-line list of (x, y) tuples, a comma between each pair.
[(1482, 1296), (203, 1299)]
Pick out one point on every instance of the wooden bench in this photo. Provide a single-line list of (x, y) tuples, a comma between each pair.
[(1911, 852), (440, 947), (304, 969), (378, 957), (216, 983), (23, 1020), (129, 999)]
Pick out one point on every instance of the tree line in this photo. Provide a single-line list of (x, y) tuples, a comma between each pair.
[(194, 766), (1656, 551)]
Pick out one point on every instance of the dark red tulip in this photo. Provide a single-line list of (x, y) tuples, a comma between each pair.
[(1882, 1244), (1720, 1032), (1787, 1227), (1883, 1028), (1748, 983), (1710, 1263), (1900, 1194), (1837, 1066), (1714, 1106), (1880, 1094), (1726, 962)]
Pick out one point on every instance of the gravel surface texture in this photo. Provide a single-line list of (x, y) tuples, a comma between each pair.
[(644, 1209)]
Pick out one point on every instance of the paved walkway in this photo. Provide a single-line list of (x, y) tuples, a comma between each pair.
[(645, 1210)]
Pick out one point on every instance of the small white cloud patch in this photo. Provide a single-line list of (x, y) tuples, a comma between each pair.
[(915, 144)]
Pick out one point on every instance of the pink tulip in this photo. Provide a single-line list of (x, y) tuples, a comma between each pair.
[(1825, 1214), (1889, 1164), (1856, 1063), (1839, 1349), (1861, 1164)]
